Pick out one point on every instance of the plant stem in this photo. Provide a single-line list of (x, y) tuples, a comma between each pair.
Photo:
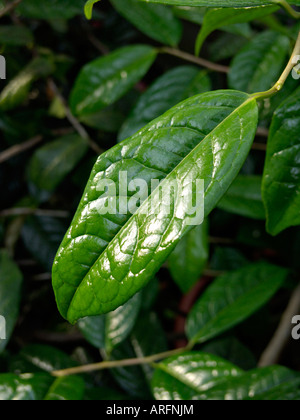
[(9, 7), (19, 148), (72, 120), (196, 60), (110, 364), (274, 350), (280, 83), (288, 8)]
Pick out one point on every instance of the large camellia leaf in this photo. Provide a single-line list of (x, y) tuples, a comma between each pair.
[(106, 258)]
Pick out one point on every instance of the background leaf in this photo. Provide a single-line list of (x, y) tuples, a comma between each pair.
[(232, 298), (281, 180), (107, 79), (244, 198), (52, 162), (10, 294), (54, 9), (217, 18), (156, 21), (167, 91), (260, 62)]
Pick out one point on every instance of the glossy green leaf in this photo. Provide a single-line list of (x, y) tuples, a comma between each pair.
[(105, 80), (287, 391), (15, 35), (40, 386), (257, 384), (217, 18), (232, 298), (167, 91), (281, 179), (10, 295), (220, 3), (26, 387), (188, 376), (189, 258), (88, 8), (258, 66), (106, 259), (51, 9), (244, 198), (16, 91), (108, 331), (154, 20), (52, 162), (69, 388)]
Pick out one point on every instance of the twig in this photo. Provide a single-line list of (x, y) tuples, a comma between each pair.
[(19, 148), (196, 60), (37, 212), (275, 348), (259, 146), (73, 121), (118, 363), (10, 7)]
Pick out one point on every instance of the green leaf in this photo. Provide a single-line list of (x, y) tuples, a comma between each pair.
[(15, 35), (231, 349), (105, 80), (167, 91), (51, 9), (220, 3), (10, 294), (108, 331), (41, 237), (16, 91), (189, 258), (26, 387), (244, 198), (281, 179), (88, 8), (287, 391), (257, 384), (188, 376), (69, 388), (40, 358), (51, 163), (40, 386), (154, 20), (257, 67), (232, 298), (136, 380), (106, 259), (218, 18)]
